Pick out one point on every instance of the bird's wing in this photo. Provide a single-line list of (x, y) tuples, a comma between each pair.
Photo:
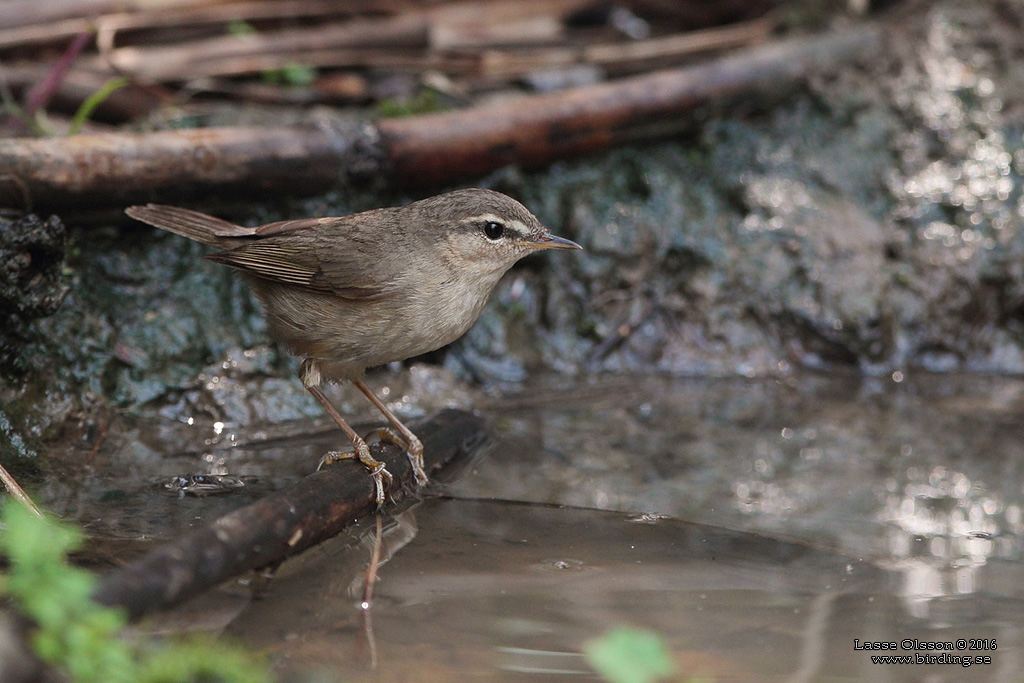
[(322, 254), (297, 225)]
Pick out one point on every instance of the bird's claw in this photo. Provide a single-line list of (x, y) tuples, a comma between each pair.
[(415, 454), (378, 470)]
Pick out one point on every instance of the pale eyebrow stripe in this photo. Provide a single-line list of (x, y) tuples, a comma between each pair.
[(485, 217)]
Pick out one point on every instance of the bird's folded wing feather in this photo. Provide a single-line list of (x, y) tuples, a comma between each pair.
[(321, 254)]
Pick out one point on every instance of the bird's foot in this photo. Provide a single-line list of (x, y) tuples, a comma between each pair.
[(413, 450), (381, 477)]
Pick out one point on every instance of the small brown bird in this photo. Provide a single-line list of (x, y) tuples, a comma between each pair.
[(353, 292)]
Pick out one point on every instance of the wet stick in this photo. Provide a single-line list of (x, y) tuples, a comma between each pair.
[(283, 524)]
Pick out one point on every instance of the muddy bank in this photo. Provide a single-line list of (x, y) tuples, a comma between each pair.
[(874, 221)]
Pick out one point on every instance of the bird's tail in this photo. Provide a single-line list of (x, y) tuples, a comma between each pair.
[(191, 224)]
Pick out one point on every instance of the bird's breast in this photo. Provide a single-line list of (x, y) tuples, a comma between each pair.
[(350, 335)]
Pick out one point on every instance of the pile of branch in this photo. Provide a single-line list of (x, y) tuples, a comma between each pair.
[(119, 168), (610, 74), (213, 45)]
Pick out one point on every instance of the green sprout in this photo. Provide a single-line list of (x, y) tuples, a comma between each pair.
[(94, 100), (82, 638)]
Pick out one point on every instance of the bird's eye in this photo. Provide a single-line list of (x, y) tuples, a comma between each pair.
[(493, 230)]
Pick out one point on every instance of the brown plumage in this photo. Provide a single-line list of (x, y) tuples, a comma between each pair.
[(353, 292)]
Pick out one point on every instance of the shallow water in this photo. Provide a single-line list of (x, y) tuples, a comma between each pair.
[(759, 526), (490, 587), (486, 588)]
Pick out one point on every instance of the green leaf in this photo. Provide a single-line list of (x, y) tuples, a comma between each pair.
[(629, 655), (82, 637), (94, 100), (198, 659), (241, 28), (291, 73), (72, 632)]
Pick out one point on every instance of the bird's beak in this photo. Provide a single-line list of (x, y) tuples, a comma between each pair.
[(549, 241)]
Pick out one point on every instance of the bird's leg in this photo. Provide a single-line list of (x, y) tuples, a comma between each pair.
[(409, 441), (377, 468)]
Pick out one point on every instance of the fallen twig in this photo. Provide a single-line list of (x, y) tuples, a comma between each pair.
[(281, 525), (624, 57), (536, 130), (15, 491), (417, 151)]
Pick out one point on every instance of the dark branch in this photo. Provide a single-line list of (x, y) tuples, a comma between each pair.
[(281, 525)]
